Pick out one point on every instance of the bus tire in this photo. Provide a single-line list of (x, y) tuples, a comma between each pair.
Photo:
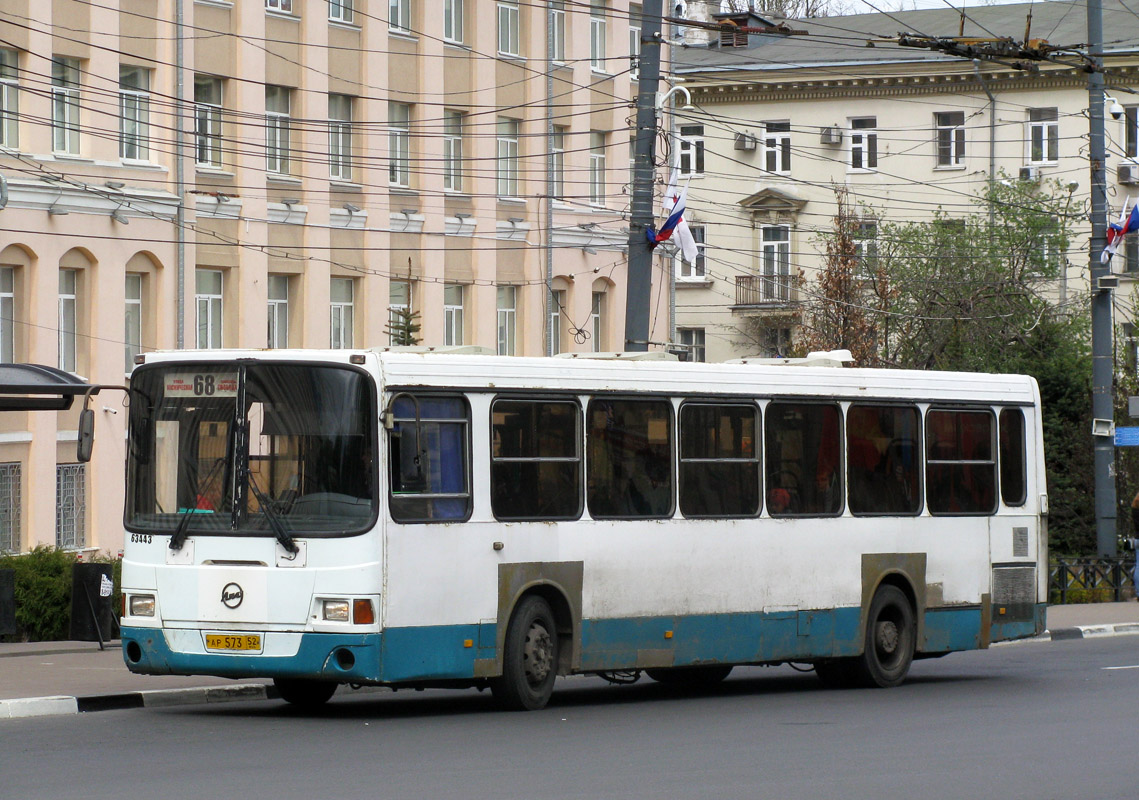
[(891, 636), (836, 673), (304, 692), (698, 677), (530, 658)]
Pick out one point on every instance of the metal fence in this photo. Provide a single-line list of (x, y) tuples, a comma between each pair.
[(1107, 578)]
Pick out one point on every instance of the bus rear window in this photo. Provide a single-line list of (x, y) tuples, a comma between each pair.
[(961, 474), (427, 451), (883, 460), (630, 458), (535, 460), (1014, 481), (719, 460), (803, 458)]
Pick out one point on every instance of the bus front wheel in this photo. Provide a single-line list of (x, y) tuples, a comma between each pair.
[(303, 692), (891, 636), (530, 658)]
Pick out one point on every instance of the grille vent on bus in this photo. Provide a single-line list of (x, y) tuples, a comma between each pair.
[(1014, 592), (1020, 542)]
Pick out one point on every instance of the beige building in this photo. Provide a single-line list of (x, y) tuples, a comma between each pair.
[(272, 173), (780, 121)]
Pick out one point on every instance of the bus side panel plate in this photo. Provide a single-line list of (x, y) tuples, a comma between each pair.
[(948, 629), (437, 651)]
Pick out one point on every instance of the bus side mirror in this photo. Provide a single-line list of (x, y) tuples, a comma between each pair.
[(86, 435)]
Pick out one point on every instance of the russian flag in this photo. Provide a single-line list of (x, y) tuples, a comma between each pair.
[(662, 235), (1117, 230)]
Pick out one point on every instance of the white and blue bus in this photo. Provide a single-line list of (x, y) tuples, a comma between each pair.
[(413, 519)]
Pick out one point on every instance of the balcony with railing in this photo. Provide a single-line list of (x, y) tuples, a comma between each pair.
[(758, 292)]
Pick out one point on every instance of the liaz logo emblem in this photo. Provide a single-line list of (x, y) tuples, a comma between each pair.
[(232, 595)]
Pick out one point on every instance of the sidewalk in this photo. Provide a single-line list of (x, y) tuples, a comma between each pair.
[(45, 678)]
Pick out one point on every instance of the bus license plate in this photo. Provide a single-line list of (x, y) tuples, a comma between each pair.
[(233, 641)]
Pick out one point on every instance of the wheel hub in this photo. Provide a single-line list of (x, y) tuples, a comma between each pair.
[(538, 654), (887, 636)]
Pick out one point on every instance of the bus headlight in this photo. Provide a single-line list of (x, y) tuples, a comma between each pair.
[(142, 605), (336, 610)]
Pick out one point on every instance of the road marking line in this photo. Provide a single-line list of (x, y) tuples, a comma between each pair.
[(1132, 666)]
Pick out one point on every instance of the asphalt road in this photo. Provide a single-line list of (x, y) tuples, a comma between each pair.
[(1033, 720)]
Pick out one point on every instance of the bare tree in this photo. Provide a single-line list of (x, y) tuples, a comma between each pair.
[(788, 9)]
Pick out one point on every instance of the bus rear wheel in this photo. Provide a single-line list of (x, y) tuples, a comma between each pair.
[(891, 636), (530, 658), (304, 692), (700, 677)]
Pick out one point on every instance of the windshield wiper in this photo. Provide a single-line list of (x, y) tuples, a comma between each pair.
[(179, 536), (271, 515)]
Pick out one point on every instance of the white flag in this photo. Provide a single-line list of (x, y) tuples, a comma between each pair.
[(682, 236)]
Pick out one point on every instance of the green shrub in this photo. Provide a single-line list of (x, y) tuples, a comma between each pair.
[(43, 593)]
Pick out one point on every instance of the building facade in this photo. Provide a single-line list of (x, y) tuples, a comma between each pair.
[(781, 121), (295, 173)]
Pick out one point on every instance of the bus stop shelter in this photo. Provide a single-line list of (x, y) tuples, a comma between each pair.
[(34, 387)]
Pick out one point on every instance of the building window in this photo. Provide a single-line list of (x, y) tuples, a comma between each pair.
[(208, 299), (776, 263), (453, 151), (399, 144), (207, 120), (691, 149), (597, 321), (10, 508), (341, 10), (558, 12), (453, 314), (507, 162), (399, 310), (692, 340), (1131, 132), (597, 12), (9, 99), (134, 112), (777, 147), (508, 27), (507, 310), (558, 149), (68, 318), (775, 342), (557, 303), (1043, 136), (1130, 260), (278, 312), (453, 21), (399, 15), (340, 137), (284, 6), (71, 504), (866, 250), (697, 271), (635, 41), (864, 143), (133, 329), (7, 314), (65, 105), (277, 129), (342, 306), (597, 168), (950, 138)]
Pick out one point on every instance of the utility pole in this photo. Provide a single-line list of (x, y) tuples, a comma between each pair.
[(1103, 407), (639, 283)]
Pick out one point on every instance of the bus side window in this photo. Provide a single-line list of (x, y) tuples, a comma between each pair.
[(535, 460), (961, 474), (629, 470), (803, 459), (719, 460), (1014, 474), (882, 460), (437, 488)]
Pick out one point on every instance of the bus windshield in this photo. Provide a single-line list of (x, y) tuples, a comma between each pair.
[(234, 448)]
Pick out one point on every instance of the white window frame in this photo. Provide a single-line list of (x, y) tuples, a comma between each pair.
[(453, 21), (507, 156), (699, 270), (342, 313), (278, 129), (558, 150), (132, 327), (209, 303), (694, 341), (10, 507), (635, 42), (134, 114), (597, 36), (950, 139), (280, 6), (506, 307), (558, 12), (508, 28), (1130, 137), (777, 147), (68, 319), (454, 295), (71, 506), (399, 16), (597, 188), (690, 144), (453, 124), (775, 263), (399, 144), (342, 11), (9, 99), (866, 250), (207, 123), (7, 314), (340, 137), (558, 302), (597, 320), (863, 150), (65, 104), (277, 335), (1043, 136), (399, 300)]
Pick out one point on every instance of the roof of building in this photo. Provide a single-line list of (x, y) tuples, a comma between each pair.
[(835, 41)]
